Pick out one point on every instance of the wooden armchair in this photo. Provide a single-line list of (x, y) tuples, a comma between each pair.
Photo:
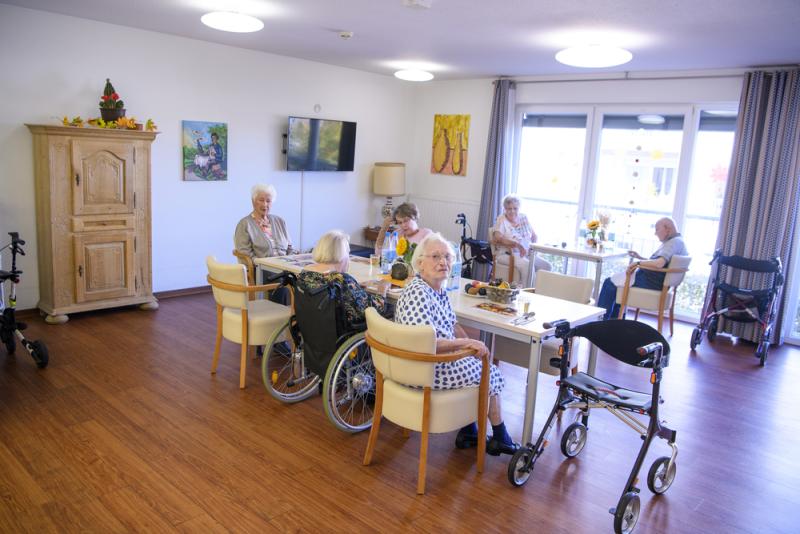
[(404, 358), (655, 299), (247, 261)]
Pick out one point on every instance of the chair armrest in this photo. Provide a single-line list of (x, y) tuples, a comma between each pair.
[(422, 356), (241, 289)]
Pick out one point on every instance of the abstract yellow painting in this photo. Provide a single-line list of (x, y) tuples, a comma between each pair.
[(450, 142)]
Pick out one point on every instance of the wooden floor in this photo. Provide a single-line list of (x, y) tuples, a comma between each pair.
[(126, 430)]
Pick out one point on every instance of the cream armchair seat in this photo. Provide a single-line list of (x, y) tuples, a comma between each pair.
[(404, 357), (656, 300), (549, 284), (239, 319)]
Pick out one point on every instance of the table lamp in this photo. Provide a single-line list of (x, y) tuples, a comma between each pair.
[(389, 180)]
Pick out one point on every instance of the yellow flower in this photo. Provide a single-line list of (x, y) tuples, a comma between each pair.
[(402, 246), (594, 224)]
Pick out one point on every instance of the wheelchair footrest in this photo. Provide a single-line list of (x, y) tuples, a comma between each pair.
[(599, 390)]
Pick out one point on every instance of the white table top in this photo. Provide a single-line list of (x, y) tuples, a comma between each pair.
[(580, 252)]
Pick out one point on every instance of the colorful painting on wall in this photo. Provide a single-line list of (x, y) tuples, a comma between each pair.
[(450, 143), (205, 151)]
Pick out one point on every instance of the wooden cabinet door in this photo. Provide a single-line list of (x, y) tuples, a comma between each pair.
[(104, 266), (102, 176)]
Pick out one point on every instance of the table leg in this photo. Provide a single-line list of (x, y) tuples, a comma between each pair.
[(530, 392), (598, 271), (531, 267)]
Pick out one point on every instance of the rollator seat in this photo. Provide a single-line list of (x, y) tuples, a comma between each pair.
[(603, 391)]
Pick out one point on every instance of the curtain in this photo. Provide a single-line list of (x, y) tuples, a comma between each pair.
[(759, 212), (499, 160)]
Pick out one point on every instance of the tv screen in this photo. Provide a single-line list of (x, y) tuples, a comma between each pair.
[(320, 145)]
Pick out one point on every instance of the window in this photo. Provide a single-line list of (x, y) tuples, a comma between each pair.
[(636, 169)]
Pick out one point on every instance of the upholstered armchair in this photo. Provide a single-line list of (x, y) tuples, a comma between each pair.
[(404, 357), (657, 300)]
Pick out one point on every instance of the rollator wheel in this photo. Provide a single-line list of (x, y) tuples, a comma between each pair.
[(348, 391), (712, 330), (574, 439), (697, 338), (283, 369), (660, 478), (40, 354), (627, 513), (520, 467)]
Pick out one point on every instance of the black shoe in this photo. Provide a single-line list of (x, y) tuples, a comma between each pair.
[(466, 439), (495, 447)]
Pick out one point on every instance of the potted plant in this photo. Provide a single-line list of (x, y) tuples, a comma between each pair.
[(111, 107)]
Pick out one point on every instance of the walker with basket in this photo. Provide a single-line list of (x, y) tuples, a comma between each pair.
[(743, 290), (10, 328)]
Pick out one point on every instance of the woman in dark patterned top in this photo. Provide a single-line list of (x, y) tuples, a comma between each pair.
[(332, 257), (425, 301)]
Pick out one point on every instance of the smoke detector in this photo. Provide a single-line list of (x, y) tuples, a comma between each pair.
[(419, 4), (346, 35)]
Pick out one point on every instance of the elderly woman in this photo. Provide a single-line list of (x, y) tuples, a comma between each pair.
[(405, 216), (424, 301), (261, 234), (512, 235), (332, 257)]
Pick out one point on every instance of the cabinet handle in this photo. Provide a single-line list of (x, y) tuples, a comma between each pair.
[(77, 179), (80, 271)]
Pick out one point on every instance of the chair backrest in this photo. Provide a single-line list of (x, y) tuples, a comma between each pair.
[(573, 288), (677, 262), (418, 338), (228, 273)]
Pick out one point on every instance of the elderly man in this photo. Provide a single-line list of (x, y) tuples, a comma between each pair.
[(671, 244)]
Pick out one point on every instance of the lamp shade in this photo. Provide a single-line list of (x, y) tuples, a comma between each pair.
[(389, 179)]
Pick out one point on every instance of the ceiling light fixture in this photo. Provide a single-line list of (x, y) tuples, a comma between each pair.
[(593, 56), (651, 119), (413, 75), (228, 21)]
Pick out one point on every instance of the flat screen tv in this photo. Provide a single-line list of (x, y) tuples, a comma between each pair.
[(320, 145)]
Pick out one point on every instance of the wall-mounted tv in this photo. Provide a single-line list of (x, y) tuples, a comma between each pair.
[(320, 145)]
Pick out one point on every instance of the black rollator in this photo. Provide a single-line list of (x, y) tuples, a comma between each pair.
[(473, 251), (10, 328)]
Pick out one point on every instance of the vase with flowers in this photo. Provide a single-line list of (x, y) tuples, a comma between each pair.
[(111, 107), (405, 251), (592, 231)]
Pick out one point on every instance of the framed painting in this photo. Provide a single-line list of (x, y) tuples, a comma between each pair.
[(450, 144), (205, 151)]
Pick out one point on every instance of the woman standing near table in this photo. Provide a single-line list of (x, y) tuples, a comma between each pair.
[(512, 234)]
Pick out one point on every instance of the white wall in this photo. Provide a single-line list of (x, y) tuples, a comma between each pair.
[(54, 65)]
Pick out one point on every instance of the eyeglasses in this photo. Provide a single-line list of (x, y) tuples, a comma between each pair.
[(448, 258)]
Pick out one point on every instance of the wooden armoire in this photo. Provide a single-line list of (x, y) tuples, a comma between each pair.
[(93, 219)]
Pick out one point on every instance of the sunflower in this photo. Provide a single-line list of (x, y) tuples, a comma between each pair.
[(592, 225), (402, 246)]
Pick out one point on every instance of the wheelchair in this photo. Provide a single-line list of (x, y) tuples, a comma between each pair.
[(756, 303), (10, 328), (630, 342), (316, 351)]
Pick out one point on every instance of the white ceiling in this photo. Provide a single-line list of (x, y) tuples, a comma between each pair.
[(457, 39)]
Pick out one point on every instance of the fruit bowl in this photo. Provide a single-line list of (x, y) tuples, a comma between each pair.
[(501, 295)]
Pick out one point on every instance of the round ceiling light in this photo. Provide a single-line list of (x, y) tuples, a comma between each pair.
[(413, 75), (650, 118), (228, 21), (593, 56)]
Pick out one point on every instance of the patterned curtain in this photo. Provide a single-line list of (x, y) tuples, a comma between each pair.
[(759, 213), (499, 160)]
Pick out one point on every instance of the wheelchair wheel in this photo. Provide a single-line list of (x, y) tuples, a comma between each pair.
[(283, 369), (573, 440), (40, 354), (697, 338), (660, 478), (520, 466), (627, 513), (712, 330), (348, 391)]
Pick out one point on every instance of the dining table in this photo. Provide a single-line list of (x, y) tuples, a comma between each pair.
[(527, 319)]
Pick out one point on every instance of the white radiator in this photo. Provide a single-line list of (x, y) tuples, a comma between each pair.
[(440, 216)]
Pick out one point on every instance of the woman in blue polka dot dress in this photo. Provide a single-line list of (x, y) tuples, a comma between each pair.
[(425, 301)]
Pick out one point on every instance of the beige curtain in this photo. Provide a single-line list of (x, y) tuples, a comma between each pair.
[(759, 214)]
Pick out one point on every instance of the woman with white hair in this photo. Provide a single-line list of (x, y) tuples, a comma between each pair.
[(512, 235), (331, 258), (261, 234), (424, 301)]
